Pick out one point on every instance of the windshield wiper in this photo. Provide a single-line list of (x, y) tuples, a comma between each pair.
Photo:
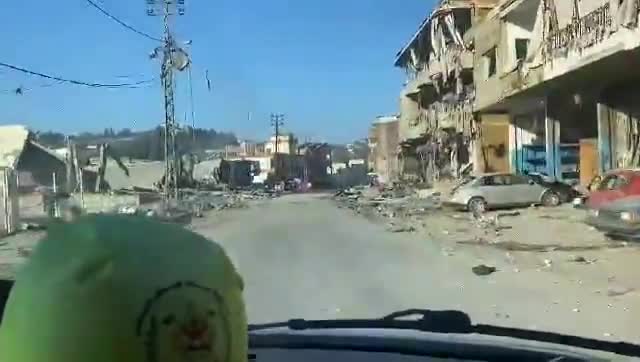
[(453, 322)]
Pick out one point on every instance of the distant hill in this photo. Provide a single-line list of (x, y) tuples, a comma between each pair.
[(147, 144)]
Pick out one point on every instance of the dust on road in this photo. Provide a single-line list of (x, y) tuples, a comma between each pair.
[(302, 257)]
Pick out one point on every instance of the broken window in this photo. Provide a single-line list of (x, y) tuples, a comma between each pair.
[(490, 60), (522, 47)]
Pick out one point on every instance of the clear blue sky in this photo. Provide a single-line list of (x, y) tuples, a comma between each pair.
[(327, 65)]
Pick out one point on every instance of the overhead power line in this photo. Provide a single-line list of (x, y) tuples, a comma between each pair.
[(76, 82), (112, 17)]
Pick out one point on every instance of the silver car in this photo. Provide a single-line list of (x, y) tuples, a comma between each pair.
[(498, 190)]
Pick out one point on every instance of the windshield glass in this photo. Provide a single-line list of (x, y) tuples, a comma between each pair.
[(612, 182), (320, 144)]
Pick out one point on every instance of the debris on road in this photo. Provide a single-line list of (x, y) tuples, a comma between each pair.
[(195, 203), (577, 259), (483, 270), (30, 226), (619, 291), (24, 252), (393, 202), (401, 228)]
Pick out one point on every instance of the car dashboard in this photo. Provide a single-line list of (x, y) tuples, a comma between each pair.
[(318, 355), (402, 345)]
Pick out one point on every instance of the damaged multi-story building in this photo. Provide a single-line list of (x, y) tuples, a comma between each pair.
[(556, 86), (437, 128)]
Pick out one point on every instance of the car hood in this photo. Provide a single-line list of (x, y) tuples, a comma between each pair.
[(448, 341), (623, 204)]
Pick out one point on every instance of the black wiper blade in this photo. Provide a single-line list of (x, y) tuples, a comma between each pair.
[(447, 321), (453, 322)]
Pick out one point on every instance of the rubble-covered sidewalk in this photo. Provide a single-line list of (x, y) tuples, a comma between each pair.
[(546, 247)]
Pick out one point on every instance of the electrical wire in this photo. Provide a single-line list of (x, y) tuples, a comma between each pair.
[(76, 82), (21, 89), (112, 17)]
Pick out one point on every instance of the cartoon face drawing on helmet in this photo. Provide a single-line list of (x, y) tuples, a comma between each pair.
[(187, 322)]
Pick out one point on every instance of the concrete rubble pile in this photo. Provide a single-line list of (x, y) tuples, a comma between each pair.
[(194, 203), (402, 206)]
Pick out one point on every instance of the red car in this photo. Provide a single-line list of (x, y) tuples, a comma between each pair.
[(615, 185)]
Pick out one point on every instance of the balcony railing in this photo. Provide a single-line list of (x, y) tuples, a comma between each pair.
[(583, 32)]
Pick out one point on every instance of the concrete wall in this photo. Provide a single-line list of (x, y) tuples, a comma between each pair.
[(287, 144), (525, 129), (141, 174), (518, 25), (409, 111), (501, 33), (488, 35), (619, 127), (386, 150), (97, 203), (204, 170), (494, 143)]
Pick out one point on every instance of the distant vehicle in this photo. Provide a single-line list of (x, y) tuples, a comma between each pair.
[(619, 218), (498, 190), (615, 185)]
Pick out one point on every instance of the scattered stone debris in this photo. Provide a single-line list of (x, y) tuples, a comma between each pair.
[(401, 228), (24, 252), (30, 226), (483, 270), (577, 259), (194, 203), (394, 202), (619, 291), (509, 213)]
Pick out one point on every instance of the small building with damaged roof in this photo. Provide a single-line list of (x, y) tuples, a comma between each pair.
[(436, 103), (34, 163)]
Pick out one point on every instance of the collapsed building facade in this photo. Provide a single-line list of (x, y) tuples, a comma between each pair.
[(555, 87), (437, 128), (544, 86)]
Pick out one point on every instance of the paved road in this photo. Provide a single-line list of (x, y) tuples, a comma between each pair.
[(301, 256)]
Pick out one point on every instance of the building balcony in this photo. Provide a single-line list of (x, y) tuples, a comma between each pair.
[(520, 79), (491, 93), (581, 33), (595, 37), (414, 86)]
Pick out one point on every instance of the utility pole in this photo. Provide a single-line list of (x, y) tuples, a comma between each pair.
[(277, 120), (169, 49)]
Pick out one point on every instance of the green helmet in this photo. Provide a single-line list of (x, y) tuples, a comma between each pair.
[(125, 289)]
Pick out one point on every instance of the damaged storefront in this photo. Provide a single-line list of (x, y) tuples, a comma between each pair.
[(554, 76), (591, 101)]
